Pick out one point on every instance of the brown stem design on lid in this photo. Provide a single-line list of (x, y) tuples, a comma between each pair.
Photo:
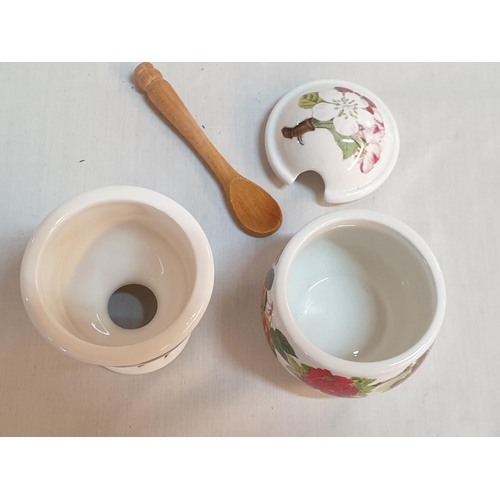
[(299, 130)]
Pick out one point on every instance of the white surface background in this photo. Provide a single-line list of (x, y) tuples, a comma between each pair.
[(446, 186)]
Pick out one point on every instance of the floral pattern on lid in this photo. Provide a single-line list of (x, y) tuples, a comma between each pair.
[(353, 120), (340, 130)]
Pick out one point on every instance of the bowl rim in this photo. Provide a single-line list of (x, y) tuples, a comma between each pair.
[(279, 166), (130, 355), (338, 365)]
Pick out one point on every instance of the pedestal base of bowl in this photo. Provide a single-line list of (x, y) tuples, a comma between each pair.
[(150, 366)]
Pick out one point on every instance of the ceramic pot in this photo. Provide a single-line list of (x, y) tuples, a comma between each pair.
[(353, 304), (97, 243)]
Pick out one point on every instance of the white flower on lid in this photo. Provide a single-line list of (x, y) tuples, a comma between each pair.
[(347, 109)]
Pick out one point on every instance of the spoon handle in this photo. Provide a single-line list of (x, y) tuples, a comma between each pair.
[(165, 98)]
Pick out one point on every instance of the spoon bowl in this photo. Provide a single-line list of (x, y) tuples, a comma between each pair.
[(255, 210)]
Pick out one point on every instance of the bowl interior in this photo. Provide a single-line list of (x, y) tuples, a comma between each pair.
[(93, 253), (361, 292)]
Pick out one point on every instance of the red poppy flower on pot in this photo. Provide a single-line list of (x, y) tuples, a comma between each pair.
[(334, 385)]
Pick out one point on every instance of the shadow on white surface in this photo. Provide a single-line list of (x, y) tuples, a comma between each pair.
[(242, 334)]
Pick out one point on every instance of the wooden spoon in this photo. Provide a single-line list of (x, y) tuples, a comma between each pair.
[(256, 211)]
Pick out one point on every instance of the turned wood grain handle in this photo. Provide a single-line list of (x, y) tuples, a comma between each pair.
[(165, 98)]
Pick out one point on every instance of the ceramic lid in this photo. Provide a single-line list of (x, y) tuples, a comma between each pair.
[(338, 129)]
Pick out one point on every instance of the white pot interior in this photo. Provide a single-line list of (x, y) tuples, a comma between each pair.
[(90, 255), (361, 292)]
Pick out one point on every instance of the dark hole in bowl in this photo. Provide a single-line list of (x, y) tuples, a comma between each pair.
[(132, 306)]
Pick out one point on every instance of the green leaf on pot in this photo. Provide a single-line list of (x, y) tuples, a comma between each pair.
[(282, 345), (264, 302), (362, 383), (310, 100), (296, 368), (385, 386), (270, 278)]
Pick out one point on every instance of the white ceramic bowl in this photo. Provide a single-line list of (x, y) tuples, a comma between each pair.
[(97, 243), (353, 304)]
